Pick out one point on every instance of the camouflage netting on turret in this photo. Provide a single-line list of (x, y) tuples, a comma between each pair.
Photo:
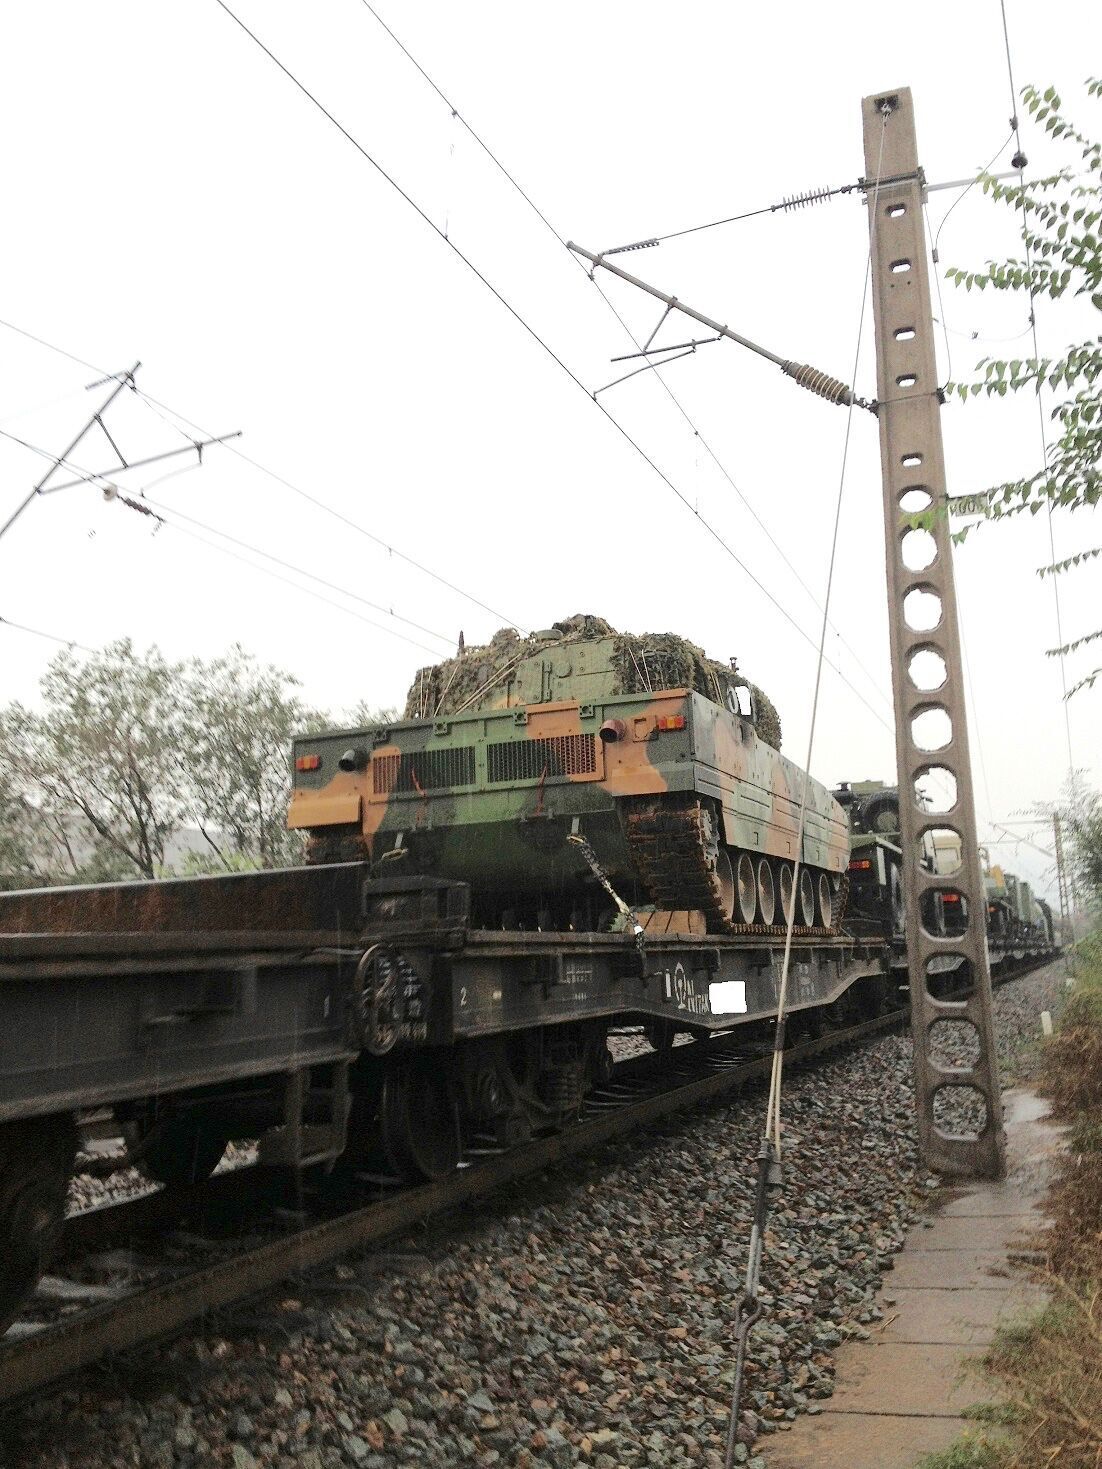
[(642, 664), (662, 660)]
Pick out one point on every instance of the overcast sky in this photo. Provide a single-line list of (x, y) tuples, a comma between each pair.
[(171, 197)]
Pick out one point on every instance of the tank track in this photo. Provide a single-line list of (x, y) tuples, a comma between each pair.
[(668, 847)]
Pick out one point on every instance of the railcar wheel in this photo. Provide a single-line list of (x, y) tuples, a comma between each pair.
[(826, 901), (36, 1159), (785, 888), (767, 895), (806, 909), (746, 889), (179, 1150), (419, 1120)]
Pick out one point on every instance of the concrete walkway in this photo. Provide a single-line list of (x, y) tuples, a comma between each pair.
[(900, 1394)]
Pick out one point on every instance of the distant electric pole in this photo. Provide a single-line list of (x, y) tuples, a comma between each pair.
[(927, 672), (126, 379), (44, 487)]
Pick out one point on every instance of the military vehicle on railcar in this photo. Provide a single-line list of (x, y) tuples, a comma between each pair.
[(535, 765)]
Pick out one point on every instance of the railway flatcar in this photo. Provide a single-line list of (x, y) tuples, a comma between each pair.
[(347, 1021)]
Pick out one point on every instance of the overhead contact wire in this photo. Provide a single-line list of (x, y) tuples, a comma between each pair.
[(1040, 405), (773, 1109), (771, 1142), (38, 633), (298, 570), (935, 237), (560, 239), (348, 521), (793, 201), (154, 403), (392, 632), (287, 581)]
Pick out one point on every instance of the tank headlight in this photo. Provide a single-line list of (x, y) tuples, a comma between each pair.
[(613, 730), (353, 760)]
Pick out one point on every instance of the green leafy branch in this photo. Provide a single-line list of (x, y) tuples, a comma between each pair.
[(1061, 217), (1068, 563)]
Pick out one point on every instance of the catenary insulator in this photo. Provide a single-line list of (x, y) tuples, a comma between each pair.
[(819, 382), (801, 201), (636, 245)]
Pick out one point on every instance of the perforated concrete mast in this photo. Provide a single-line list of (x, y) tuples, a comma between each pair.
[(927, 679)]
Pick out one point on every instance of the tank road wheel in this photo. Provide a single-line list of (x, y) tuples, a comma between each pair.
[(419, 1120), (785, 887), (36, 1159), (805, 911), (825, 900), (767, 894), (746, 889)]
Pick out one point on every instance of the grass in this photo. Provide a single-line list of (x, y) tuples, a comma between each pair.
[(968, 1452), (1046, 1369), (1071, 1075)]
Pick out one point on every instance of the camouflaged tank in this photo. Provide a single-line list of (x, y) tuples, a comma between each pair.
[(662, 759)]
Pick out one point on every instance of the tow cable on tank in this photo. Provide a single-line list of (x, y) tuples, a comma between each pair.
[(638, 932)]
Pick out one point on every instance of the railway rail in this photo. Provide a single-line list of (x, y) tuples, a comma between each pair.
[(637, 1094), (360, 1028)]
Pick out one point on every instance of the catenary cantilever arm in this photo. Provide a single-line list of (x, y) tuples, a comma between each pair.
[(810, 378)]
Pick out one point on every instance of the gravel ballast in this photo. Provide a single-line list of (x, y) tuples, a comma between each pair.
[(583, 1317)]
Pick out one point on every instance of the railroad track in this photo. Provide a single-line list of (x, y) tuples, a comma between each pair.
[(639, 1092)]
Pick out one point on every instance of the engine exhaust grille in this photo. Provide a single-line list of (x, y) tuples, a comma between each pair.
[(559, 755), (423, 770)]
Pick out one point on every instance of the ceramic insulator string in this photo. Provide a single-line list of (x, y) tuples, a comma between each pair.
[(819, 382), (807, 198)]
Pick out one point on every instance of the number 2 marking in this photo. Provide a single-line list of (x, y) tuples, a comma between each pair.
[(463, 997)]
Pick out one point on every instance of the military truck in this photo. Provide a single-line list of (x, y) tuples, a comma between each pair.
[(539, 768), (875, 901)]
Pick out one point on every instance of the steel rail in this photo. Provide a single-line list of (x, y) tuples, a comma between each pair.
[(30, 1362)]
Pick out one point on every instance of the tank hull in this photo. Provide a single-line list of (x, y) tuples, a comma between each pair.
[(492, 796)]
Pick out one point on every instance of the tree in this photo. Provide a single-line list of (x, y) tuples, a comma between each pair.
[(241, 717), (1062, 231), (96, 766), (129, 750), (1084, 821), (364, 714), (27, 851)]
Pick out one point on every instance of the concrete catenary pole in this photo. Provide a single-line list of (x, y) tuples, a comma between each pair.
[(956, 1070)]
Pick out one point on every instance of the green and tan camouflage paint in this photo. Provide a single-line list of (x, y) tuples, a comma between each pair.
[(489, 795)]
